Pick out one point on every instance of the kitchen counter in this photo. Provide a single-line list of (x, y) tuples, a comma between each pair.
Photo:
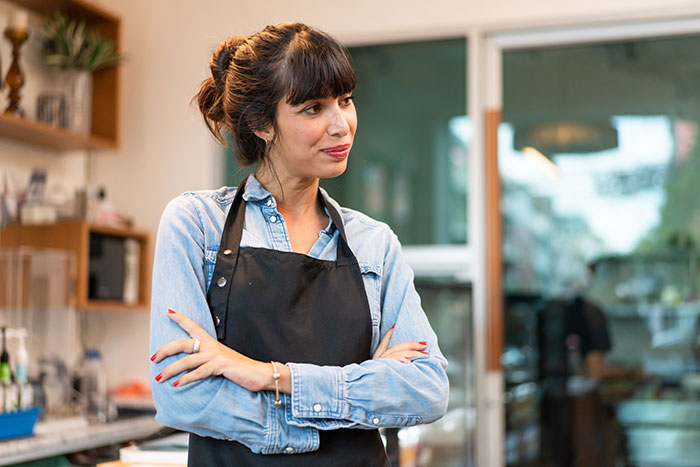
[(53, 438)]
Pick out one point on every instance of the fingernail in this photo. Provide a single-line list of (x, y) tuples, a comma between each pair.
[(154, 356), (171, 311), (392, 327), (160, 375), (423, 343), (426, 353), (176, 383)]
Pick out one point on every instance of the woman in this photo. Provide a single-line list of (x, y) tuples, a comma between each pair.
[(286, 329)]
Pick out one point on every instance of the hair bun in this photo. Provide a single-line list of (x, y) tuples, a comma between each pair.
[(222, 58)]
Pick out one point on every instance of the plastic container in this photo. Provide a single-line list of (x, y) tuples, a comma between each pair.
[(16, 424), (93, 387)]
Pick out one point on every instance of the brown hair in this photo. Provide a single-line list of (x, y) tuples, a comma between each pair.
[(251, 75)]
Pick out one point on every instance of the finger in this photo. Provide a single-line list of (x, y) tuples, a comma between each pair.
[(174, 348), (384, 343), (186, 363), (411, 345), (405, 355), (190, 327), (201, 372)]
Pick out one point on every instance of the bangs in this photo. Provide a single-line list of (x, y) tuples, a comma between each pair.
[(317, 67)]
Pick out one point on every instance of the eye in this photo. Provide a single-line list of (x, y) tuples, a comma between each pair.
[(347, 100), (311, 109)]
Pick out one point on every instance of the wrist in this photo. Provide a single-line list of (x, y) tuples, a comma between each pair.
[(285, 379)]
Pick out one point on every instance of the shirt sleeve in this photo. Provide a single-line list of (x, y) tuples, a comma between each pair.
[(213, 407), (382, 392), (595, 335)]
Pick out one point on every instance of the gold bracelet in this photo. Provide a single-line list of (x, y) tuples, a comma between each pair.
[(276, 377)]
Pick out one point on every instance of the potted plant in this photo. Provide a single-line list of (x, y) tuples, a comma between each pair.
[(76, 50)]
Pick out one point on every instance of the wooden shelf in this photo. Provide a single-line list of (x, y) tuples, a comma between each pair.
[(41, 134), (75, 236), (105, 88)]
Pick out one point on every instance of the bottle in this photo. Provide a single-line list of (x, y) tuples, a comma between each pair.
[(22, 357), (5, 370), (93, 386), (9, 391), (24, 388)]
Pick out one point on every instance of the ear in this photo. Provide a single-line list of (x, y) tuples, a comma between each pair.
[(265, 135)]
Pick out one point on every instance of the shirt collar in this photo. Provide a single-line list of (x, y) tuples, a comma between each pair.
[(256, 193)]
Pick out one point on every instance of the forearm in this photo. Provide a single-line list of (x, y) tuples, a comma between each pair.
[(373, 394)]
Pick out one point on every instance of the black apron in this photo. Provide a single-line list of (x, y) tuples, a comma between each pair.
[(289, 307)]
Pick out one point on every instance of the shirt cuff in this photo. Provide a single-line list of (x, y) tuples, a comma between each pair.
[(318, 391), (283, 438)]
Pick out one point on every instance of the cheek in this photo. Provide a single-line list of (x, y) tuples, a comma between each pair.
[(352, 121)]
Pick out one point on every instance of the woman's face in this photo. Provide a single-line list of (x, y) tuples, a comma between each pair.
[(314, 138)]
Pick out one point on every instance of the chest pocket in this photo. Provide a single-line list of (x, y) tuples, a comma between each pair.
[(372, 279), (209, 263)]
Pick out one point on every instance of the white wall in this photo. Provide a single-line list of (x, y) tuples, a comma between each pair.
[(165, 147)]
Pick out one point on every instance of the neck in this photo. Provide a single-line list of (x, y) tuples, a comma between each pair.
[(294, 196)]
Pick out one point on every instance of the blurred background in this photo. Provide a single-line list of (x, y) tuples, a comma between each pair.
[(538, 161)]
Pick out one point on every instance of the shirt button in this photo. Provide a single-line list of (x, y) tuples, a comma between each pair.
[(269, 202), (375, 420), (317, 408), (221, 282), (218, 320), (273, 219), (289, 449), (227, 252)]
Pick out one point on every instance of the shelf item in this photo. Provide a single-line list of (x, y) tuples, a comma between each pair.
[(113, 266), (104, 133), (18, 424)]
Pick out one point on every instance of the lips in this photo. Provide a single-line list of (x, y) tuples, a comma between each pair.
[(338, 152)]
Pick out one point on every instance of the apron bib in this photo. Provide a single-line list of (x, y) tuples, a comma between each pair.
[(289, 307)]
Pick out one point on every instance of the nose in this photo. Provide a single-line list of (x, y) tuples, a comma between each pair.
[(338, 124)]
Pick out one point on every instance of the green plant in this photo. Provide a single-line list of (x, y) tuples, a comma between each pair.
[(70, 44)]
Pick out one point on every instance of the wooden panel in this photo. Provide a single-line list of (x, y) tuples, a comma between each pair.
[(81, 8), (494, 261)]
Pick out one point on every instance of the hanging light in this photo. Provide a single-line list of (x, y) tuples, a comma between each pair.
[(564, 136)]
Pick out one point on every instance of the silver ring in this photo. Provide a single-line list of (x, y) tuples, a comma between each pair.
[(195, 346)]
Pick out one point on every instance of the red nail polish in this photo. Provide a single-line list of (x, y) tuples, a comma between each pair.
[(423, 343), (171, 311), (154, 356), (160, 375), (176, 383), (392, 327), (426, 353)]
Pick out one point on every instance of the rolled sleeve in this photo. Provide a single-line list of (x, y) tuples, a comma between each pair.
[(317, 391)]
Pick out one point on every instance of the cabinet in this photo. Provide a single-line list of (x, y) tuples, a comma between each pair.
[(104, 132), (84, 239)]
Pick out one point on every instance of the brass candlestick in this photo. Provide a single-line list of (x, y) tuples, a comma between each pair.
[(14, 78)]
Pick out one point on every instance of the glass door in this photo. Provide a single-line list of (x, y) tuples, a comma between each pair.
[(599, 162)]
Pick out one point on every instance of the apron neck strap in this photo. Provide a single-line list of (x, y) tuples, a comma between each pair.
[(344, 254)]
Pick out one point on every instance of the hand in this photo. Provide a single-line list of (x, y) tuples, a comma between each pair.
[(404, 352), (212, 359)]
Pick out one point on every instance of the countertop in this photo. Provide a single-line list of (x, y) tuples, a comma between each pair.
[(53, 438)]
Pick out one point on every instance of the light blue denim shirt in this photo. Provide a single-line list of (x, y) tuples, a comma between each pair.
[(372, 394)]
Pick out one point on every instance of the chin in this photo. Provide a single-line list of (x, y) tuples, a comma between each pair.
[(337, 172)]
